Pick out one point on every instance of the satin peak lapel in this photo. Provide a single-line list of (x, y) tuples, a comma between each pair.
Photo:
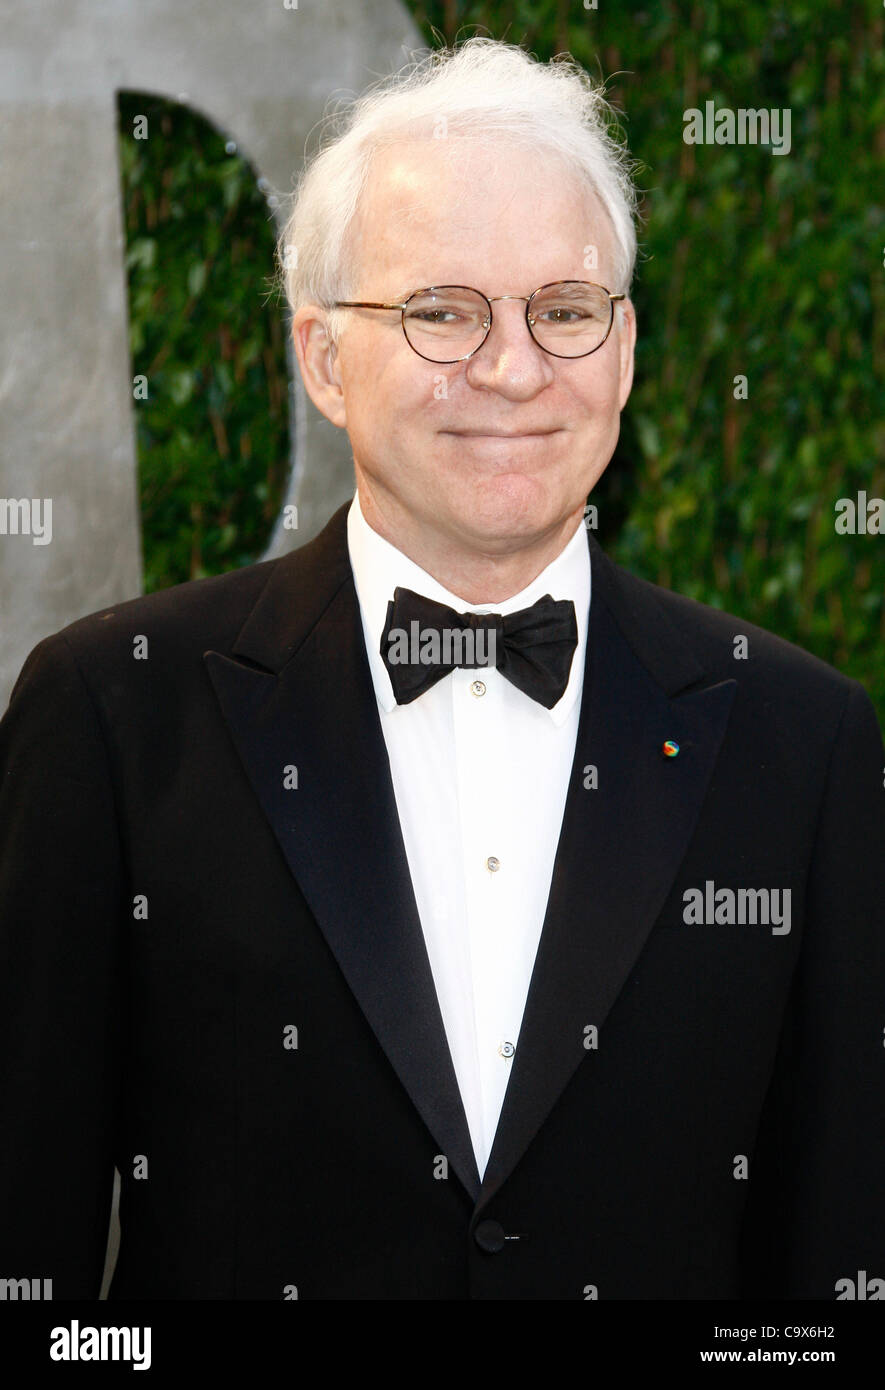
[(621, 843), (297, 690)]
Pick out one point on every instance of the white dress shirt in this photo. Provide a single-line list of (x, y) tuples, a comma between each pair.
[(480, 772)]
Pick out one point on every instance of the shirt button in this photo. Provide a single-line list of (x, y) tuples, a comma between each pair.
[(493, 864), (477, 688), (506, 1049)]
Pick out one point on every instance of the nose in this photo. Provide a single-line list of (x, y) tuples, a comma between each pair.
[(510, 361)]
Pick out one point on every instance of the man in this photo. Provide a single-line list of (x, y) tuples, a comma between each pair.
[(384, 964)]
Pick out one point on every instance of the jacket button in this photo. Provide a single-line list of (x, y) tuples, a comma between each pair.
[(489, 1236)]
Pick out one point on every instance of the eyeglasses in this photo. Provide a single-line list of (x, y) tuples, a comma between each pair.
[(449, 323)]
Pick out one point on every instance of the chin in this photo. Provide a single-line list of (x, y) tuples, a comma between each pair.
[(527, 501), (499, 520)]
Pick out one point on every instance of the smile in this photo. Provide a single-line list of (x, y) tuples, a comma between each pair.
[(499, 434)]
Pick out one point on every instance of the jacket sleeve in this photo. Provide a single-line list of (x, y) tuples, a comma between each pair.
[(815, 1213), (61, 978)]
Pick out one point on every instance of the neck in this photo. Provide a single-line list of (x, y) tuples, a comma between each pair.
[(475, 575)]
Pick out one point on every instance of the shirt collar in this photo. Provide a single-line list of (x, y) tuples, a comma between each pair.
[(378, 568)]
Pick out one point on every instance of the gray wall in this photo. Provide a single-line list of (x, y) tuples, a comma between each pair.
[(259, 71)]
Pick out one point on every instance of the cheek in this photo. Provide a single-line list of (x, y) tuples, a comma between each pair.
[(391, 415), (371, 385), (357, 367), (596, 403)]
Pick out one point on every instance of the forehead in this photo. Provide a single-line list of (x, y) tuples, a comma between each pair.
[(459, 210)]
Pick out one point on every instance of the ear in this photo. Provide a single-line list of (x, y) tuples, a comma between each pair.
[(317, 362), (626, 315)]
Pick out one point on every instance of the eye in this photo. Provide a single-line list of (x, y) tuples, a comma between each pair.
[(562, 313), (434, 316)]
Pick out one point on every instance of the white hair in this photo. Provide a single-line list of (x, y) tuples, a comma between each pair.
[(481, 88)]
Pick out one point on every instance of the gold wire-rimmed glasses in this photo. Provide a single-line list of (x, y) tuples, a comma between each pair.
[(449, 323)]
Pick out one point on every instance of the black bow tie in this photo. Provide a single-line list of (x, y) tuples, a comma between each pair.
[(424, 640)]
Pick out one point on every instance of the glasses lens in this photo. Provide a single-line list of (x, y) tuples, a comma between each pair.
[(570, 318), (446, 323)]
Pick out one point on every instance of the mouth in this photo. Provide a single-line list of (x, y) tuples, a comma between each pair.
[(501, 434)]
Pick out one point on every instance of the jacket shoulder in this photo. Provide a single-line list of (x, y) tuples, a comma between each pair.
[(210, 603), (729, 646)]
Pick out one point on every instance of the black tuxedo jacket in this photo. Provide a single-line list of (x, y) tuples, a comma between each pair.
[(216, 980)]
